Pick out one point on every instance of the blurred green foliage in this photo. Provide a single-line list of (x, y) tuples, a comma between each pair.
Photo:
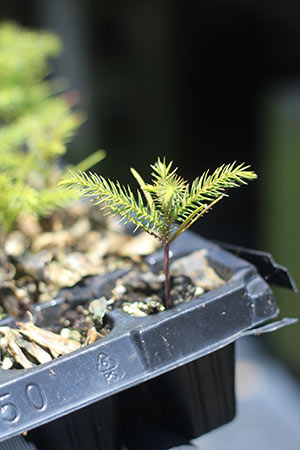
[(280, 216), (36, 124)]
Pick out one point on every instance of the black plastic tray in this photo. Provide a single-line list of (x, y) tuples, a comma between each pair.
[(137, 349)]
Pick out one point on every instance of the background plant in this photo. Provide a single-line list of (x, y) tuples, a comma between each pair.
[(172, 205), (36, 124)]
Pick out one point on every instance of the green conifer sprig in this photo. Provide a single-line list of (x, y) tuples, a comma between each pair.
[(167, 189), (208, 187), (119, 199), (171, 198), (207, 190), (36, 124), (172, 205)]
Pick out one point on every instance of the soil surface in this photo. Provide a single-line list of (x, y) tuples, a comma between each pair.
[(67, 257)]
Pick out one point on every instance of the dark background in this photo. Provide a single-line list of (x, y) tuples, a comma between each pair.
[(201, 83)]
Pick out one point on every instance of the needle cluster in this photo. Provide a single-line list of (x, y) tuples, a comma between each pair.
[(172, 204)]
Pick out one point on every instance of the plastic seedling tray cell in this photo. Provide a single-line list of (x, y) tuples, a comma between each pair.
[(137, 349), (95, 427), (190, 400)]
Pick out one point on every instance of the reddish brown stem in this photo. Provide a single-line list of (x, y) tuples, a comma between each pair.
[(168, 302)]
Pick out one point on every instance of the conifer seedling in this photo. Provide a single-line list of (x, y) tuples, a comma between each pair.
[(172, 204)]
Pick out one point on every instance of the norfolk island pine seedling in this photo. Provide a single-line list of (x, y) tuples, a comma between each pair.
[(172, 204)]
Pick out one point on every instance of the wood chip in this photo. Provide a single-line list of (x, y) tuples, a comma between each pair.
[(11, 335), (92, 336), (54, 342)]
